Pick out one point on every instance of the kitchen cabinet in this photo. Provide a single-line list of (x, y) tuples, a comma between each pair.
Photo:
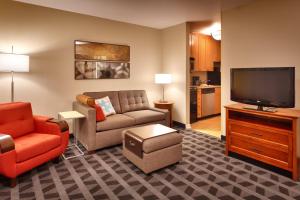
[(205, 50), (217, 100)]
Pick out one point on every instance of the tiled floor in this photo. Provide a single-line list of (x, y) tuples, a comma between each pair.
[(211, 126)]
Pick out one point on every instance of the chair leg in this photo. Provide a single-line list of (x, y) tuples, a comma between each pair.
[(12, 182), (56, 160)]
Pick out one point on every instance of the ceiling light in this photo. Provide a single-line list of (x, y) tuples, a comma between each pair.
[(216, 34)]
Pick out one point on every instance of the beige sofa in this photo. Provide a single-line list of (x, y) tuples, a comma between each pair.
[(132, 108)]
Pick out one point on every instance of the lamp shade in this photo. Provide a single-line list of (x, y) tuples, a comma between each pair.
[(14, 62), (163, 78)]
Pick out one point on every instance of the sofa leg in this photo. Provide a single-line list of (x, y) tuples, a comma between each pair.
[(56, 160), (12, 182)]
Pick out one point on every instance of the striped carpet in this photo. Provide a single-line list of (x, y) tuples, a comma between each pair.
[(204, 173)]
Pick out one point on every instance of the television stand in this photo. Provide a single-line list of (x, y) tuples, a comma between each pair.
[(259, 108), (269, 137)]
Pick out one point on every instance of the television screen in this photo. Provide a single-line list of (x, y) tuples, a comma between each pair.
[(271, 87)]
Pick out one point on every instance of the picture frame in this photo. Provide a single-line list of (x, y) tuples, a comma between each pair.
[(95, 60)]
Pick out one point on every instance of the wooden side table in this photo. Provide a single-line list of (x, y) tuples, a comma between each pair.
[(165, 105)]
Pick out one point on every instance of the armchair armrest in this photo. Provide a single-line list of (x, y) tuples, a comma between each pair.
[(49, 125), (6, 143), (62, 124)]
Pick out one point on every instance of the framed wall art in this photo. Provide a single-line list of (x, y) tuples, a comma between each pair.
[(101, 61)]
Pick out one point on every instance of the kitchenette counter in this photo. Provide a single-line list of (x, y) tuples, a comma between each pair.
[(205, 86)]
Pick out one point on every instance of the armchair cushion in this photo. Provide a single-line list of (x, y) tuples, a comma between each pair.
[(145, 116), (34, 144), (16, 119)]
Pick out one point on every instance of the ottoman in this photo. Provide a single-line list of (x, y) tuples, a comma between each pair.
[(152, 147)]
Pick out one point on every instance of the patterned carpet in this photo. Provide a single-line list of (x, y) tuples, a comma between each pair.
[(204, 173)]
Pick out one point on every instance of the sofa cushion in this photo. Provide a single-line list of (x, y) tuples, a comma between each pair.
[(132, 100), (114, 122), (34, 144), (145, 116), (113, 96), (16, 119)]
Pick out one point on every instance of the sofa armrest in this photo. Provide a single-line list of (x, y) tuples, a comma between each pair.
[(166, 112), (49, 125), (6, 143), (86, 128)]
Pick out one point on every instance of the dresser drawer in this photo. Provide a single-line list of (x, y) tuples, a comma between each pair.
[(258, 147), (278, 137)]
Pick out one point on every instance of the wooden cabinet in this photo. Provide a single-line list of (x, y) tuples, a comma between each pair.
[(217, 100), (272, 138), (194, 49), (205, 50), (165, 105)]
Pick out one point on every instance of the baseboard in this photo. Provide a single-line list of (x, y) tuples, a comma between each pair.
[(223, 138), (179, 124)]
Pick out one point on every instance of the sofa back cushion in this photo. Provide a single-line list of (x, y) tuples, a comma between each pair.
[(16, 119), (113, 96), (132, 100)]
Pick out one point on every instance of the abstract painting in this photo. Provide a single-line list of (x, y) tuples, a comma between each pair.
[(101, 61)]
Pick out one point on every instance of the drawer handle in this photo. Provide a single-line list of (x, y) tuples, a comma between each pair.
[(255, 150), (131, 143)]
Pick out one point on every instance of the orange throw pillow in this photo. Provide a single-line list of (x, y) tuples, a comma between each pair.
[(99, 113)]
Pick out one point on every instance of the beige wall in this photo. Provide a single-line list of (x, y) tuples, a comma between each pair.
[(47, 36), (174, 61), (263, 33)]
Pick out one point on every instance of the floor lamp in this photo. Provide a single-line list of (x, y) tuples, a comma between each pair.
[(10, 62), (163, 79)]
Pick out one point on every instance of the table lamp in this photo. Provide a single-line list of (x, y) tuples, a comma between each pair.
[(163, 79), (10, 62)]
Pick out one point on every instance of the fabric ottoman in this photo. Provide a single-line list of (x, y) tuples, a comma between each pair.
[(152, 147)]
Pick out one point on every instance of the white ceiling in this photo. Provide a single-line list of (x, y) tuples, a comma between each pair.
[(152, 13)]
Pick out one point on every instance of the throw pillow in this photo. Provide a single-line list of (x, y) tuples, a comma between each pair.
[(86, 100), (99, 113), (106, 106), (89, 101)]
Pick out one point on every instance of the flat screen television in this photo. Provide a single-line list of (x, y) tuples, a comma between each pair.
[(267, 86)]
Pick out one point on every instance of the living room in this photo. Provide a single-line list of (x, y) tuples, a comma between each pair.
[(255, 33)]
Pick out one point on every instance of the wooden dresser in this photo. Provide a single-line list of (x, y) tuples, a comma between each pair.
[(272, 138)]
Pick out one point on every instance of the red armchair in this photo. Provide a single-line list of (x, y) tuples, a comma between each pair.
[(27, 141)]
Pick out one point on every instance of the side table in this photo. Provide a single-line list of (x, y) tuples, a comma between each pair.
[(73, 115), (165, 105)]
